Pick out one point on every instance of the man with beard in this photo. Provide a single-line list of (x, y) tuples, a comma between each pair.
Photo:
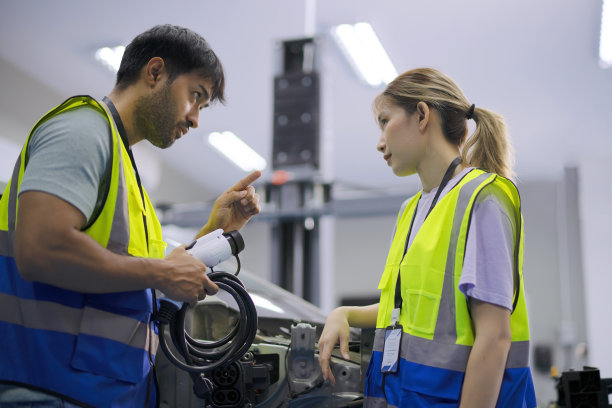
[(81, 251)]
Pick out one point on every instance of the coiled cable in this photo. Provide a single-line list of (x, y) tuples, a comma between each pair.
[(203, 356)]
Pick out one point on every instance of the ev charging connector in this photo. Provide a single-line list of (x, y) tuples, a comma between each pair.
[(200, 357)]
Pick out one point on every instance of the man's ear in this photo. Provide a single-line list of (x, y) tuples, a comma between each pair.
[(154, 71), (422, 109)]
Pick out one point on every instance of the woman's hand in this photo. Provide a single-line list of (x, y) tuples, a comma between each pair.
[(336, 331)]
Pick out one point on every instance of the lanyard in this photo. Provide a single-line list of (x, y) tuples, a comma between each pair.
[(126, 144), (398, 291), (122, 133)]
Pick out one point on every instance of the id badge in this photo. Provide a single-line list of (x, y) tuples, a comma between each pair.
[(393, 339)]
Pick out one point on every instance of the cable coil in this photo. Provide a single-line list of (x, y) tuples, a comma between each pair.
[(203, 356)]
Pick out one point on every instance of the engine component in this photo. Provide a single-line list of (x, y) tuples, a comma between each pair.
[(583, 389), (239, 384), (271, 374), (302, 372)]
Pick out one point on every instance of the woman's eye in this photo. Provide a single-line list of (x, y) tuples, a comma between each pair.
[(197, 94)]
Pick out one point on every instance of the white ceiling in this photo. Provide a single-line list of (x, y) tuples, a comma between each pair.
[(535, 62)]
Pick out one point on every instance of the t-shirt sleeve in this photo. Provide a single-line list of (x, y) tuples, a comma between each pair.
[(488, 267), (68, 156)]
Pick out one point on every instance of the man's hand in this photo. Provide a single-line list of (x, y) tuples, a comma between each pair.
[(235, 207), (186, 280)]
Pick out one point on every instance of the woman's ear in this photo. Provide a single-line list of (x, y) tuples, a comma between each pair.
[(423, 111)]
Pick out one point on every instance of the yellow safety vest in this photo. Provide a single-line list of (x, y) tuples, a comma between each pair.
[(97, 349), (437, 330)]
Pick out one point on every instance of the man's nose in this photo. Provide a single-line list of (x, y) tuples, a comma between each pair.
[(194, 117)]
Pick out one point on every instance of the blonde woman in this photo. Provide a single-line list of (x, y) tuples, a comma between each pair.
[(451, 324)]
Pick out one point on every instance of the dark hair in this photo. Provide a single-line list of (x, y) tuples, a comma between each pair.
[(181, 49), (488, 148)]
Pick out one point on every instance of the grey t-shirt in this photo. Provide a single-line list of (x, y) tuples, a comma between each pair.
[(488, 264), (68, 157)]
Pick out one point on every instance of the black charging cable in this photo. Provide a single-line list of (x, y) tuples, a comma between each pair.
[(200, 357)]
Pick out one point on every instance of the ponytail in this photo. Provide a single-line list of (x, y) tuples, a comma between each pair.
[(489, 147)]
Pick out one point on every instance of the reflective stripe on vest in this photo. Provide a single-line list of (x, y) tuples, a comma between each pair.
[(7, 234), (45, 315), (112, 336), (448, 356)]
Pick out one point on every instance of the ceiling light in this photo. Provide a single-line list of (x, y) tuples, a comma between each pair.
[(366, 54), (241, 154), (110, 57), (605, 39)]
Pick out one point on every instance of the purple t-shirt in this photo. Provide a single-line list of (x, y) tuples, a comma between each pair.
[(488, 264)]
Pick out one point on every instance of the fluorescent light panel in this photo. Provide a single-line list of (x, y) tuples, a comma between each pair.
[(365, 52), (110, 57), (238, 152), (605, 40)]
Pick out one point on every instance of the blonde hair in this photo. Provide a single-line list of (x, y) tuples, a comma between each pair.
[(488, 148)]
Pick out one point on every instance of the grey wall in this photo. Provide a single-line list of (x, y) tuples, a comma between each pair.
[(553, 275), (595, 229), (361, 250)]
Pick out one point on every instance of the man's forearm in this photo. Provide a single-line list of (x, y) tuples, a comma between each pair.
[(51, 248), (78, 263)]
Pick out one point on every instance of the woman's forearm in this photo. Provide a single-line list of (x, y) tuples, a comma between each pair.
[(487, 361), (363, 317)]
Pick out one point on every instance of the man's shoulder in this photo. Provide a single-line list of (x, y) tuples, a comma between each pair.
[(77, 126), (69, 155), (82, 116)]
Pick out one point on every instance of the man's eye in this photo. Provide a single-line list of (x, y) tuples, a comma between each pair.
[(197, 94)]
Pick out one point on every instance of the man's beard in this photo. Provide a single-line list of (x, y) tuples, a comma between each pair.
[(155, 116)]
